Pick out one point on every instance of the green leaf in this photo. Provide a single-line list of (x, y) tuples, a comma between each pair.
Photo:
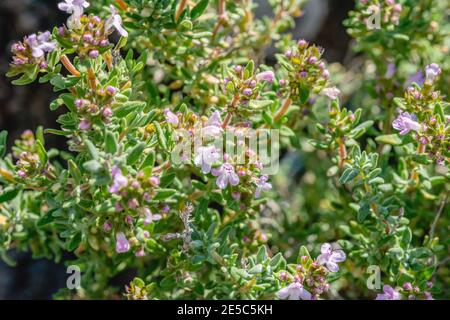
[(43, 157), (303, 93), (261, 256), (149, 160), (198, 10), (8, 195), (164, 194), (74, 242), (249, 68), (93, 166), (406, 238), (92, 150), (74, 171), (135, 153), (276, 260), (438, 111), (303, 251), (348, 175), (392, 139), (3, 139), (46, 219), (110, 143), (161, 137)]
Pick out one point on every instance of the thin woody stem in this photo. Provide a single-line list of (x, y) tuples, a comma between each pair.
[(281, 112), (420, 149), (180, 9), (438, 215), (229, 115), (342, 154), (69, 66), (222, 17), (162, 167)]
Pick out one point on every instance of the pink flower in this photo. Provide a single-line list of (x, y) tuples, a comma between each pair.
[(294, 291), (75, 8), (171, 117), (391, 69), (119, 181), (432, 71), (265, 76), (149, 217), (107, 226), (389, 294), (226, 175), (122, 244), (205, 157), (40, 44), (84, 124), (330, 257), (115, 21), (405, 123), (262, 185), (72, 6), (331, 93), (213, 126), (140, 252)]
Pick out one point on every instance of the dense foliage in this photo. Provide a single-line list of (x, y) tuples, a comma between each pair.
[(150, 181)]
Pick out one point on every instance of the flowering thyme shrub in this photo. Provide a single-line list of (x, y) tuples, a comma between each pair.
[(151, 181)]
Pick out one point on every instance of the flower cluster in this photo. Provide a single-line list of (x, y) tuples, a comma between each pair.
[(421, 115), (307, 72), (308, 281), (88, 35), (32, 50)]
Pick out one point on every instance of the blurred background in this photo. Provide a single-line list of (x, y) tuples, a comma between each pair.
[(26, 107)]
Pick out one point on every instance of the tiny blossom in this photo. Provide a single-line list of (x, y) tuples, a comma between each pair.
[(171, 117), (122, 244), (111, 90), (115, 21), (205, 157), (119, 181), (405, 123), (107, 226), (330, 257), (155, 181), (140, 252), (226, 175), (84, 124), (40, 44), (93, 54), (415, 78), (389, 294), (107, 112), (432, 71), (428, 295), (132, 203), (391, 69), (407, 286), (213, 126), (331, 93), (295, 291), (262, 185), (149, 217), (73, 6), (247, 92), (265, 76)]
